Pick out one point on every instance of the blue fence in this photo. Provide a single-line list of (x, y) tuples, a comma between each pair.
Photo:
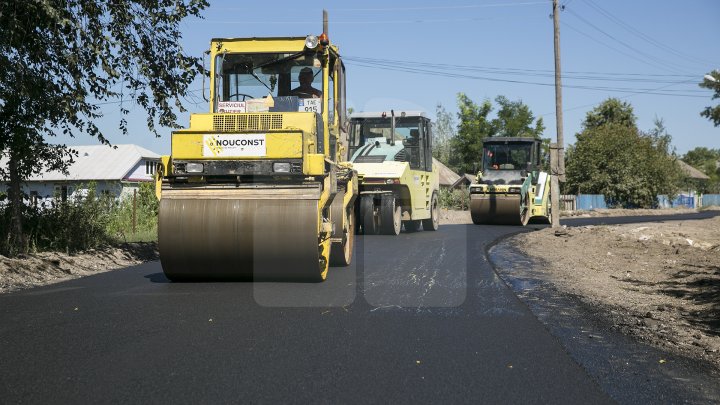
[(590, 202), (686, 201), (710, 199)]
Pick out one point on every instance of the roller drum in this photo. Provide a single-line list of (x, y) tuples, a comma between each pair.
[(495, 209), (240, 238)]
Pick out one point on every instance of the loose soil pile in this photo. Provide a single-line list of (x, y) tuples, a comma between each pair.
[(657, 281), (52, 267)]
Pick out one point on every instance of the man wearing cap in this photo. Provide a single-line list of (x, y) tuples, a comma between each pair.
[(306, 90)]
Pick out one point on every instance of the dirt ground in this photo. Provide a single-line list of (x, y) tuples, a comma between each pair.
[(52, 267), (656, 281)]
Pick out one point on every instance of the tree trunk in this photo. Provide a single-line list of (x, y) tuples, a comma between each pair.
[(18, 241)]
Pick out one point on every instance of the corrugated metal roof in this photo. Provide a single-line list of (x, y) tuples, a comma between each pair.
[(98, 162), (447, 176), (692, 172)]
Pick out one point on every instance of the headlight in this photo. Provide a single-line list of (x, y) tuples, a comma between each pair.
[(311, 42), (194, 168), (281, 167)]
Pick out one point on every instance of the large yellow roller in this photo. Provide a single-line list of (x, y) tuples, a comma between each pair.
[(511, 188), (259, 187)]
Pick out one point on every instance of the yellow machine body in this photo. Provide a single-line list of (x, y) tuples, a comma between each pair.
[(259, 187)]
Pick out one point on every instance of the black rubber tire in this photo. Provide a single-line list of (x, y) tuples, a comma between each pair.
[(367, 212), (525, 213), (390, 215), (341, 254), (432, 223), (412, 225)]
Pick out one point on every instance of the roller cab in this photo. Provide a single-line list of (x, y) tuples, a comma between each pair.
[(399, 184), (259, 187), (511, 188)]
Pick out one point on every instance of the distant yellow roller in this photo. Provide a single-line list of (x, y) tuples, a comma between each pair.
[(511, 188)]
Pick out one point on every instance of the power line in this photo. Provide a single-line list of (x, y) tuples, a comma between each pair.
[(444, 7), (642, 35), (620, 98), (420, 8), (407, 69), (666, 65), (599, 76)]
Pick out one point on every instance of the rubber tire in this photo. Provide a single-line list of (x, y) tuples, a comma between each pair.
[(412, 225), (432, 223), (367, 212), (525, 215), (341, 254), (390, 215)]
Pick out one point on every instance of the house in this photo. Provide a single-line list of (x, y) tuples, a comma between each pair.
[(447, 177), (115, 171), (464, 181), (688, 196)]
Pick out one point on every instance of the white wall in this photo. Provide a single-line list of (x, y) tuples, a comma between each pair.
[(143, 171), (46, 192)]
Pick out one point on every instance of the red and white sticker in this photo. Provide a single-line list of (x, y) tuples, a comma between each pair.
[(233, 107)]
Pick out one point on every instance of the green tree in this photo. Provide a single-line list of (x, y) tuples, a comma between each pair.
[(610, 111), (60, 58), (712, 82), (515, 119), (443, 133), (473, 127), (612, 157)]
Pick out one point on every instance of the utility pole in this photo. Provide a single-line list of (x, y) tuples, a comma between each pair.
[(557, 156)]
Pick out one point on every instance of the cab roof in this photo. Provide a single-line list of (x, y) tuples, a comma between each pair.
[(398, 114), (503, 139)]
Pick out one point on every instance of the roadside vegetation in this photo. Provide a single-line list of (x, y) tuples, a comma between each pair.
[(87, 221), (79, 56)]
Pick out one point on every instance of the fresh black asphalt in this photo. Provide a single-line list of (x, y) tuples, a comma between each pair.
[(419, 317)]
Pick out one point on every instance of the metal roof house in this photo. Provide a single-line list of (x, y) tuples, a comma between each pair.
[(446, 176), (115, 171)]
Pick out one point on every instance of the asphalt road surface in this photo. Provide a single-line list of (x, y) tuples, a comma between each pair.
[(417, 318)]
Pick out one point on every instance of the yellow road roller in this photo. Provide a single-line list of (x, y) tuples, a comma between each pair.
[(259, 188), (511, 188), (399, 183)]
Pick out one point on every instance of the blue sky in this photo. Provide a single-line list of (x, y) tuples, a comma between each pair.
[(650, 53)]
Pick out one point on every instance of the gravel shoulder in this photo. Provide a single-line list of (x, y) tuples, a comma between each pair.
[(43, 268), (656, 281)]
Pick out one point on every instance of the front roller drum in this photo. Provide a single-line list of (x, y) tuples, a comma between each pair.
[(249, 239), (497, 209)]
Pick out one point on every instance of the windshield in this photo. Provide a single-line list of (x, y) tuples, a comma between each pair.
[(407, 130), (242, 81), (509, 156)]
